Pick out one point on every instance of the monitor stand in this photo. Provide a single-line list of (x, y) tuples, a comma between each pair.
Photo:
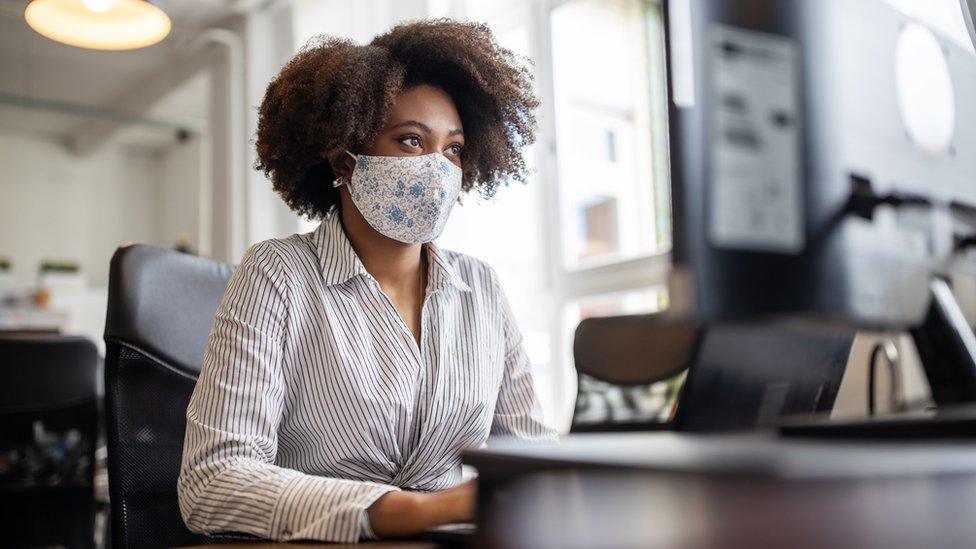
[(947, 347)]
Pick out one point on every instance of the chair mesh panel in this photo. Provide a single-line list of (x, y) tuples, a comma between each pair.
[(147, 404)]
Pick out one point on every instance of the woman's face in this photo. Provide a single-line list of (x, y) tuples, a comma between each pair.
[(423, 120)]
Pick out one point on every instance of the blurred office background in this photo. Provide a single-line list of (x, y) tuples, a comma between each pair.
[(154, 145)]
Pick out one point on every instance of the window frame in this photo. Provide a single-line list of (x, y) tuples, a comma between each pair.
[(569, 285)]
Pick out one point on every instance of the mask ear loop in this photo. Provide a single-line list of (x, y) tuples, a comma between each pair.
[(340, 181)]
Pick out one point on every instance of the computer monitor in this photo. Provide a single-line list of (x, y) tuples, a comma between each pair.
[(823, 166)]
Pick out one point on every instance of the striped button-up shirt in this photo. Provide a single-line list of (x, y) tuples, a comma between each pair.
[(315, 399)]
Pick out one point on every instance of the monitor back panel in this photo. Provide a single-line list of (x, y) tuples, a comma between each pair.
[(777, 108)]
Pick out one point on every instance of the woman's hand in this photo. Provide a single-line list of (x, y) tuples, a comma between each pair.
[(409, 513)]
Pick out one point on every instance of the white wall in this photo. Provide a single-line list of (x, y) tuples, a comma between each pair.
[(359, 21), (268, 46), (177, 193), (60, 206), (54, 205)]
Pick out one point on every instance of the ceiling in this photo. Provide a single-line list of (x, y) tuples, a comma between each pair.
[(54, 85)]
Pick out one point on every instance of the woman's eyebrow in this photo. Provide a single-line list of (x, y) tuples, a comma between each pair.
[(420, 125), (424, 127)]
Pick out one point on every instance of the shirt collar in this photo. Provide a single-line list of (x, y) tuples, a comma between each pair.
[(441, 270), (339, 262), (337, 258)]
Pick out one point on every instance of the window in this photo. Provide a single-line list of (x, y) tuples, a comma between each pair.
[(589, 232), (611, 193), (598, 227), (603, 106)]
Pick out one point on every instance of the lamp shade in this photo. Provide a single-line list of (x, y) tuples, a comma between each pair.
[(99, 24)]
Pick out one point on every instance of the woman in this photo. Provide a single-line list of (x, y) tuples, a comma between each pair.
[(349, 367)]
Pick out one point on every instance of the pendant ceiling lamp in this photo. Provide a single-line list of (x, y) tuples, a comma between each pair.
[(99, 24)]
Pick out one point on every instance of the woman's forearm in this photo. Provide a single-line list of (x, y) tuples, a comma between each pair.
[(407, 513)]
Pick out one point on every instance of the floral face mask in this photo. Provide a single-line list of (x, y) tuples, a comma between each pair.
[(407, 198)]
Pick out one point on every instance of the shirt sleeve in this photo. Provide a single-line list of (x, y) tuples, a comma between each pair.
[(518, 412), (228, 480), (365, 528)]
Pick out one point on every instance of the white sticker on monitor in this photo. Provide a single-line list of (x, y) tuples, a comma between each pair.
[(756, 164)]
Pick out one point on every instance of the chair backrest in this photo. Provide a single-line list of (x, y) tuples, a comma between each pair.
[(620, 364), (48, 432), (161, 308), (47, 372)]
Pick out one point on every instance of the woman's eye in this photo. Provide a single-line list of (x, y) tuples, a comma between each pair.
[(455, 149), (411, 141)]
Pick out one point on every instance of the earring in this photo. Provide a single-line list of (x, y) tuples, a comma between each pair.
[(339, 181)]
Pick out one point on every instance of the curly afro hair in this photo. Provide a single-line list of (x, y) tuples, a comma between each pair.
[(335, 95)]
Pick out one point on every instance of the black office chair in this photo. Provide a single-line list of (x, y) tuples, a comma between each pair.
[(737, 376), (160, 311), (48, 432), (627, 369)]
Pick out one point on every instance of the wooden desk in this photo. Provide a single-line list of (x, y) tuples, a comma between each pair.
[(674, 490), (759, 454), (584, 509)]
